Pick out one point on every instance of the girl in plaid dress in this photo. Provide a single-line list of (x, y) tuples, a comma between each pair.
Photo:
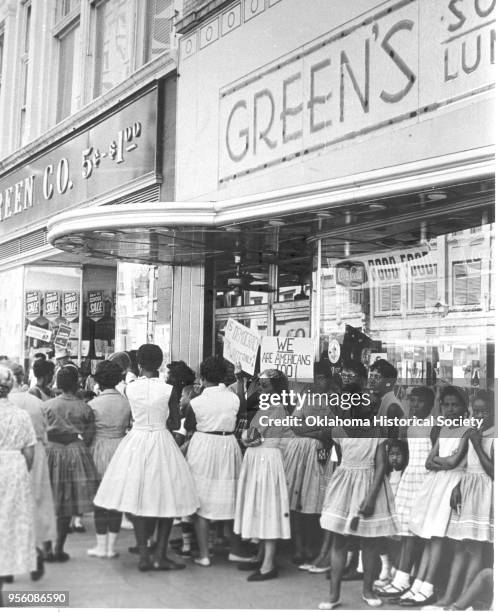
[(419, 445)]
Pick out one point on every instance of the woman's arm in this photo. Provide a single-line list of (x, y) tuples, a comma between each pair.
[(190, 423), (449, 463), (174, 421), (29, 455), (486, 462), (88, 426), (368, 504), (430, 463)]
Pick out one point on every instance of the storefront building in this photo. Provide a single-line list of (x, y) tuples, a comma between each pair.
[(79, 129), (334, 180)]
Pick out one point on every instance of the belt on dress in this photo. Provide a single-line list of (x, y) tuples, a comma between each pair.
[(62, 438), (218, 433)]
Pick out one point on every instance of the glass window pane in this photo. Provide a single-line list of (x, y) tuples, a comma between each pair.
[(114, 37)]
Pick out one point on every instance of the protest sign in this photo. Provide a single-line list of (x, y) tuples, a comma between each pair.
[(62, 336), (240, 345), (292, 356), (33, 331)]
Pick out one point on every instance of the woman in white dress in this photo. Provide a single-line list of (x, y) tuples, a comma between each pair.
[(214, 456), (45, 525), (17, 441), (262, 504), (148, 476)]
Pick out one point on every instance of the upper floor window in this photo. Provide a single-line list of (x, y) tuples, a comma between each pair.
[(467, 283), (158, 27), (114, 35), (2, 45), (67, 32), (23, 81)]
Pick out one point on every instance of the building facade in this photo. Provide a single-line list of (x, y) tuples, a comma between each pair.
[(333, 179)]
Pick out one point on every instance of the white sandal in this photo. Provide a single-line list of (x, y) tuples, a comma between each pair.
[(329, 605)]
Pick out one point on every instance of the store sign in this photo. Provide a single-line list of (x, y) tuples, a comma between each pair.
[(52, 305), (33, 305), (399, 61), (96, 305), (70, 305), (350, 273), (39, 333), (292, 356), (118, 150), (240, 345), (62, 336)]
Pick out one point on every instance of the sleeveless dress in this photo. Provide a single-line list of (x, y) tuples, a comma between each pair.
[(112, 415), (45, 528), (350, 485), (476, 518), (303, 471), (148, 475), (262, 504), (215, 460), (17, 549), (431, 508), (419, 447)]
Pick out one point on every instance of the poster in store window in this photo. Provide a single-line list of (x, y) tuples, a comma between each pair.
[(33, 305), (95, 305), (52, 306), (62, 336), (70, 305), (292, 356)]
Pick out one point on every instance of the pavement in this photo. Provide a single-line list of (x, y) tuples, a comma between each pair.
[(116, 583)]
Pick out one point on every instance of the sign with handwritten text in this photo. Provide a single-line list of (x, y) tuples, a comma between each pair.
[(292, 356), (240, 345)]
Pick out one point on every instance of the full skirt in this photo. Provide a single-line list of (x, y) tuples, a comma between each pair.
[(73, 477), (304, 474), (148, 476), (102, 451), (18, 547), (476, 518), (347, 490), (214, 463), (262, 505), (431, 509), (409, 486)]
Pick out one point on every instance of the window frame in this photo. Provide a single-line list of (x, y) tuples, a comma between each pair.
[(466, 307)]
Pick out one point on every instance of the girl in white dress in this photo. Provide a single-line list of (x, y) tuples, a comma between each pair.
[(471, 523), (262, 506), (148, 476), (431, 509), (213, 455)]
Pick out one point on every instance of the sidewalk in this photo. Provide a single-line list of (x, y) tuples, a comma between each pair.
[(116, 583)]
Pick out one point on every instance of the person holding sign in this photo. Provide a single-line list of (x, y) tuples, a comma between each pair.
[(262, 506), (213, 455)]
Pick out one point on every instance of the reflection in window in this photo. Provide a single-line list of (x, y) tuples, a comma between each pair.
[(68, 90), (114, 38)]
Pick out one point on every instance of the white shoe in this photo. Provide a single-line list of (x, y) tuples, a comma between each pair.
[(101, 549), (202, 561), (329, 605), (96, 552), (233, 558), (125, 523)]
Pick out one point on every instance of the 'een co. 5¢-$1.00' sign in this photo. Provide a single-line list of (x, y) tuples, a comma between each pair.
[(292, 356), (240, 345), (116, 151), (400, 60)]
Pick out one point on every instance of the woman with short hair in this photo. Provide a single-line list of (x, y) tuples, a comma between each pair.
[(112, 415), (72, 472)]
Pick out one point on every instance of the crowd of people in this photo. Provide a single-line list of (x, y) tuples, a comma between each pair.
[(409, 511)]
